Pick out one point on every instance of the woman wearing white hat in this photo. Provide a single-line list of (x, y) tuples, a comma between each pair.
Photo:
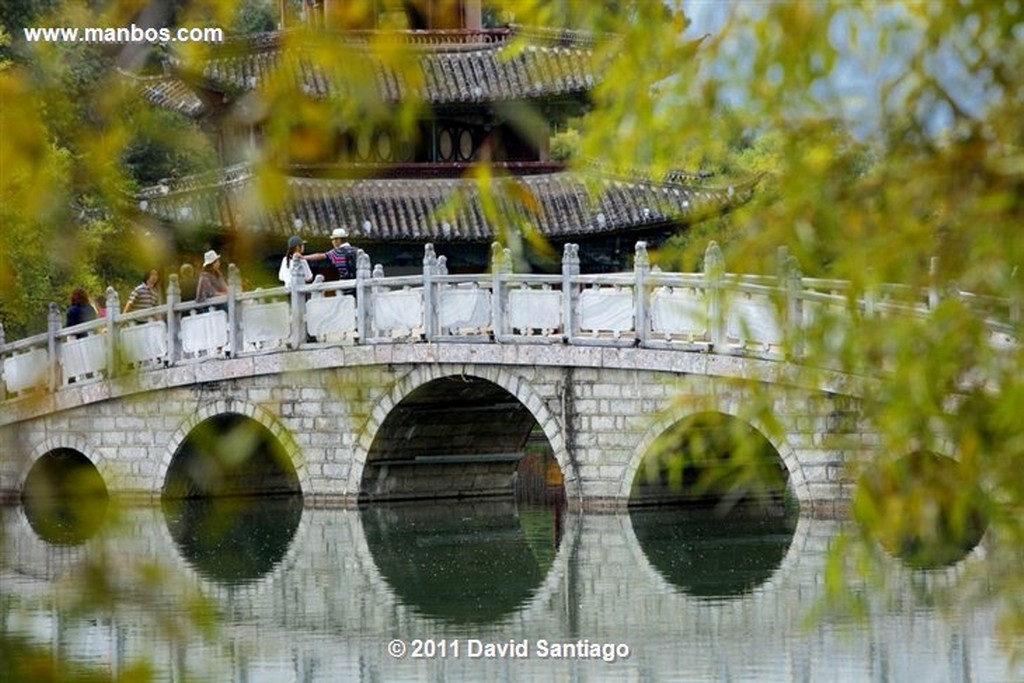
[(211, 281)]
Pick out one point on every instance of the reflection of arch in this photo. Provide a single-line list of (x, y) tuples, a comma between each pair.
[(184, 567), (468, 563), (707, 555), (797, 553), (503, 378), (730, 408), (245, 409), (34, 556), (234, 540)]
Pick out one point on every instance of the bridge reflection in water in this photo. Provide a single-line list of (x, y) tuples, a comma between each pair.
[(465, 563), (233, 540), (350, 581), (713, 555)]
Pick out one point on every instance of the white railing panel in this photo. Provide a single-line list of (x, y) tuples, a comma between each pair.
[(464, 307), (26, 370), (1001, 341), (331, 318), (142, 343), (607, 310), (266, 325), (753, 319), (205, 333), (682, 312), (400, 310), (829, 321), (83, 357), (530, 309)]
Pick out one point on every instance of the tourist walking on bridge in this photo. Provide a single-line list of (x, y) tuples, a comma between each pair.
[(145, 295)]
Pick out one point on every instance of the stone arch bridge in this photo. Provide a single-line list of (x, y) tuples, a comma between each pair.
[(436, 384)]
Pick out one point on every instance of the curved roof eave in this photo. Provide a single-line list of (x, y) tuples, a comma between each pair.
[(562, 205)]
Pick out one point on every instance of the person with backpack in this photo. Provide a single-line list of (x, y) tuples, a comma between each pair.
[(342, 255)]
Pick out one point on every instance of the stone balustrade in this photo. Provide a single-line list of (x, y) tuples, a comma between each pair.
[(709, 311)]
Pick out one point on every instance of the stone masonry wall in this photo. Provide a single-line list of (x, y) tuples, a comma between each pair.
[(599, 408)]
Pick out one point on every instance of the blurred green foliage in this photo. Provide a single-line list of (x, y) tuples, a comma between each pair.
[(891, 133)]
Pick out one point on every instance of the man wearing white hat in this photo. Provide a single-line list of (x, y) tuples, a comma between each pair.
[(342, 255), (211, 281)]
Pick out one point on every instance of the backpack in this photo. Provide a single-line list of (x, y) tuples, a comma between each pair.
[(344, 260)]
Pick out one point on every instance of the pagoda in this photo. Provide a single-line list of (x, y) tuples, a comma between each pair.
[(395, 191)]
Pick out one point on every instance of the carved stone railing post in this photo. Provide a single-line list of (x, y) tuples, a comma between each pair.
[(376, 285), (933, 283), (429, 313), (297, 302), (173, 299), (1014, 304), (641, 269), (234, 289), (501, 265), (791, 282), (570, 290), (362, 293), (714, 270), (870, 295), (113, 311), (52, 328), (3, 384), (442, 271)]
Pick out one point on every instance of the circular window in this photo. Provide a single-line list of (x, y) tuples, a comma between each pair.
[(384, 150), (364, 145), (404, 150), (465, 145), (445, 145)]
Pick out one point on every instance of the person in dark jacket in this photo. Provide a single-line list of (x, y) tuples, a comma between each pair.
[(81, 309)]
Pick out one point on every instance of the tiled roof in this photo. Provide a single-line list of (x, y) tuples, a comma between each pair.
[(169, 92), (456, 67), (558, 205)]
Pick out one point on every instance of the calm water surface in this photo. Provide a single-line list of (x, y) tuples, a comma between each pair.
[(464, 591)]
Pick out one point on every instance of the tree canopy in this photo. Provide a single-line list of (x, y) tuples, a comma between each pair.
[(891, 133)]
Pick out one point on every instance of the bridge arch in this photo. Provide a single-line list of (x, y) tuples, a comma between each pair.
[(245, 409), (511, 382), (67, 442), (64, 495), (729, 406)]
